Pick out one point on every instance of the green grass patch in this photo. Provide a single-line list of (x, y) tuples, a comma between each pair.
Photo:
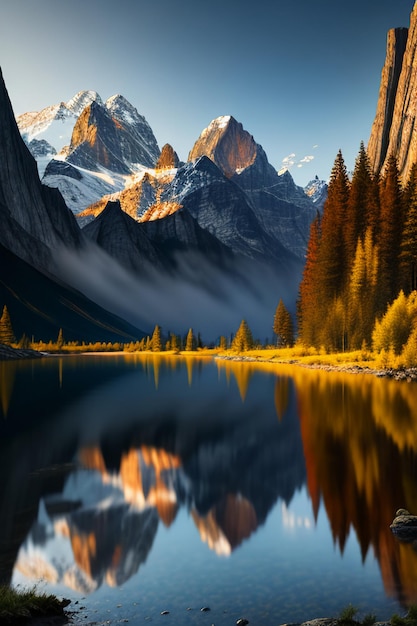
[(19, 606)]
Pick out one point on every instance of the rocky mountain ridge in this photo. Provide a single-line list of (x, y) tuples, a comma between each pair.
[(190, 263), (104, 163), (392, 131)]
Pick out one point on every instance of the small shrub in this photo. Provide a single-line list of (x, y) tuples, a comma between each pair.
[(347, 615)]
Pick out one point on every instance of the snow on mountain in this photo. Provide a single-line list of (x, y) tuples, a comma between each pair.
[(316, 190), (81, 100), (85, 170), (53, 124)]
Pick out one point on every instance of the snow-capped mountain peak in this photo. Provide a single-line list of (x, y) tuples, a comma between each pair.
[(81, 100)]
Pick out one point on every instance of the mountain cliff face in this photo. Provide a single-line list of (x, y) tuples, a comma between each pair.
[(36, 227), (393, 130), (227, 144), (282, 209), (100, 143), (35, 219), (232, 191)]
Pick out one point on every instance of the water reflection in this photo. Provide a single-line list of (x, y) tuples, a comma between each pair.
[(145, 437)]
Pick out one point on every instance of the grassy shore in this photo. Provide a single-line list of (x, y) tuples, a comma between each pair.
[(24, 606)]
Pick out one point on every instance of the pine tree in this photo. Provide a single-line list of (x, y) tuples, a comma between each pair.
[(283, 326), (361, 204), (190, 342), (332, 252), (222, 343), (156, 342), (243, 339), (60, 339), (363, 292), (307, 311), (6, 330), (393, 330), (408, 255), (174, 342), (389, 237)]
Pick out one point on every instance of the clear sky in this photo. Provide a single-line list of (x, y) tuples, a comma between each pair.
[(302, 76)]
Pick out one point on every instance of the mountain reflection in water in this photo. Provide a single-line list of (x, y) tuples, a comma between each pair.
[(118, 446)]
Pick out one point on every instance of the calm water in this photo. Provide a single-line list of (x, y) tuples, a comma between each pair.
[(135, 485)]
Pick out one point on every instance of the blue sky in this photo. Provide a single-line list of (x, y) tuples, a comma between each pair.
[(301, 76)]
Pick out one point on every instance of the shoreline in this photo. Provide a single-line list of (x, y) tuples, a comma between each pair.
[(7, 353), (406, 374)]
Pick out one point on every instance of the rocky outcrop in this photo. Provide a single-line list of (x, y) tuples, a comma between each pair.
[(381, 128), (168, 158), (394, 127), (227, 144), (119, 235)]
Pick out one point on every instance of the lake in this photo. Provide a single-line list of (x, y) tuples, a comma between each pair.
[(149, 487)]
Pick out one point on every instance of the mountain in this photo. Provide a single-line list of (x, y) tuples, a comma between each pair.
[(89, 147), (40, 306), (36, 227), (194, 244), (229, 187), (53, 126), (316, 190), (281, 207), (396, 115), (35, 219)]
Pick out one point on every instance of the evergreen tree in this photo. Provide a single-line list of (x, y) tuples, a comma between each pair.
[(174, 342), (156, 342), (222, 343), (283, 325), (389, 237), (6, 330), (332, 252), (24, 342), (361, 204), (363, 292), (243, 339), (393, 330), (60, 339), (190, 343), (408, 255), (307, 311)]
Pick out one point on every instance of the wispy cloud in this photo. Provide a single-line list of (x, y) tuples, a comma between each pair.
[(291, 160)]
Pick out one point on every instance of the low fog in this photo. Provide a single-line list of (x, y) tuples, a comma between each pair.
[(196, 295)]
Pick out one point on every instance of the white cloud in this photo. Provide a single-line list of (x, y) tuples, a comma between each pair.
[(290, 161)]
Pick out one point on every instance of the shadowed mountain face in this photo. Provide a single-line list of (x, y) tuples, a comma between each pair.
[(40, 306), (35, 219), (36, 226)]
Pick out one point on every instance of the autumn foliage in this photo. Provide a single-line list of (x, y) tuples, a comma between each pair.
[(361, 255)]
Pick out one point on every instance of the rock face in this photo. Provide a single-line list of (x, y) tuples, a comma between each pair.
[(282, 209), (35, 219), (381, 128), (168, 158), (36, 226), (393, 130), (91, 138), (227, 144)]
